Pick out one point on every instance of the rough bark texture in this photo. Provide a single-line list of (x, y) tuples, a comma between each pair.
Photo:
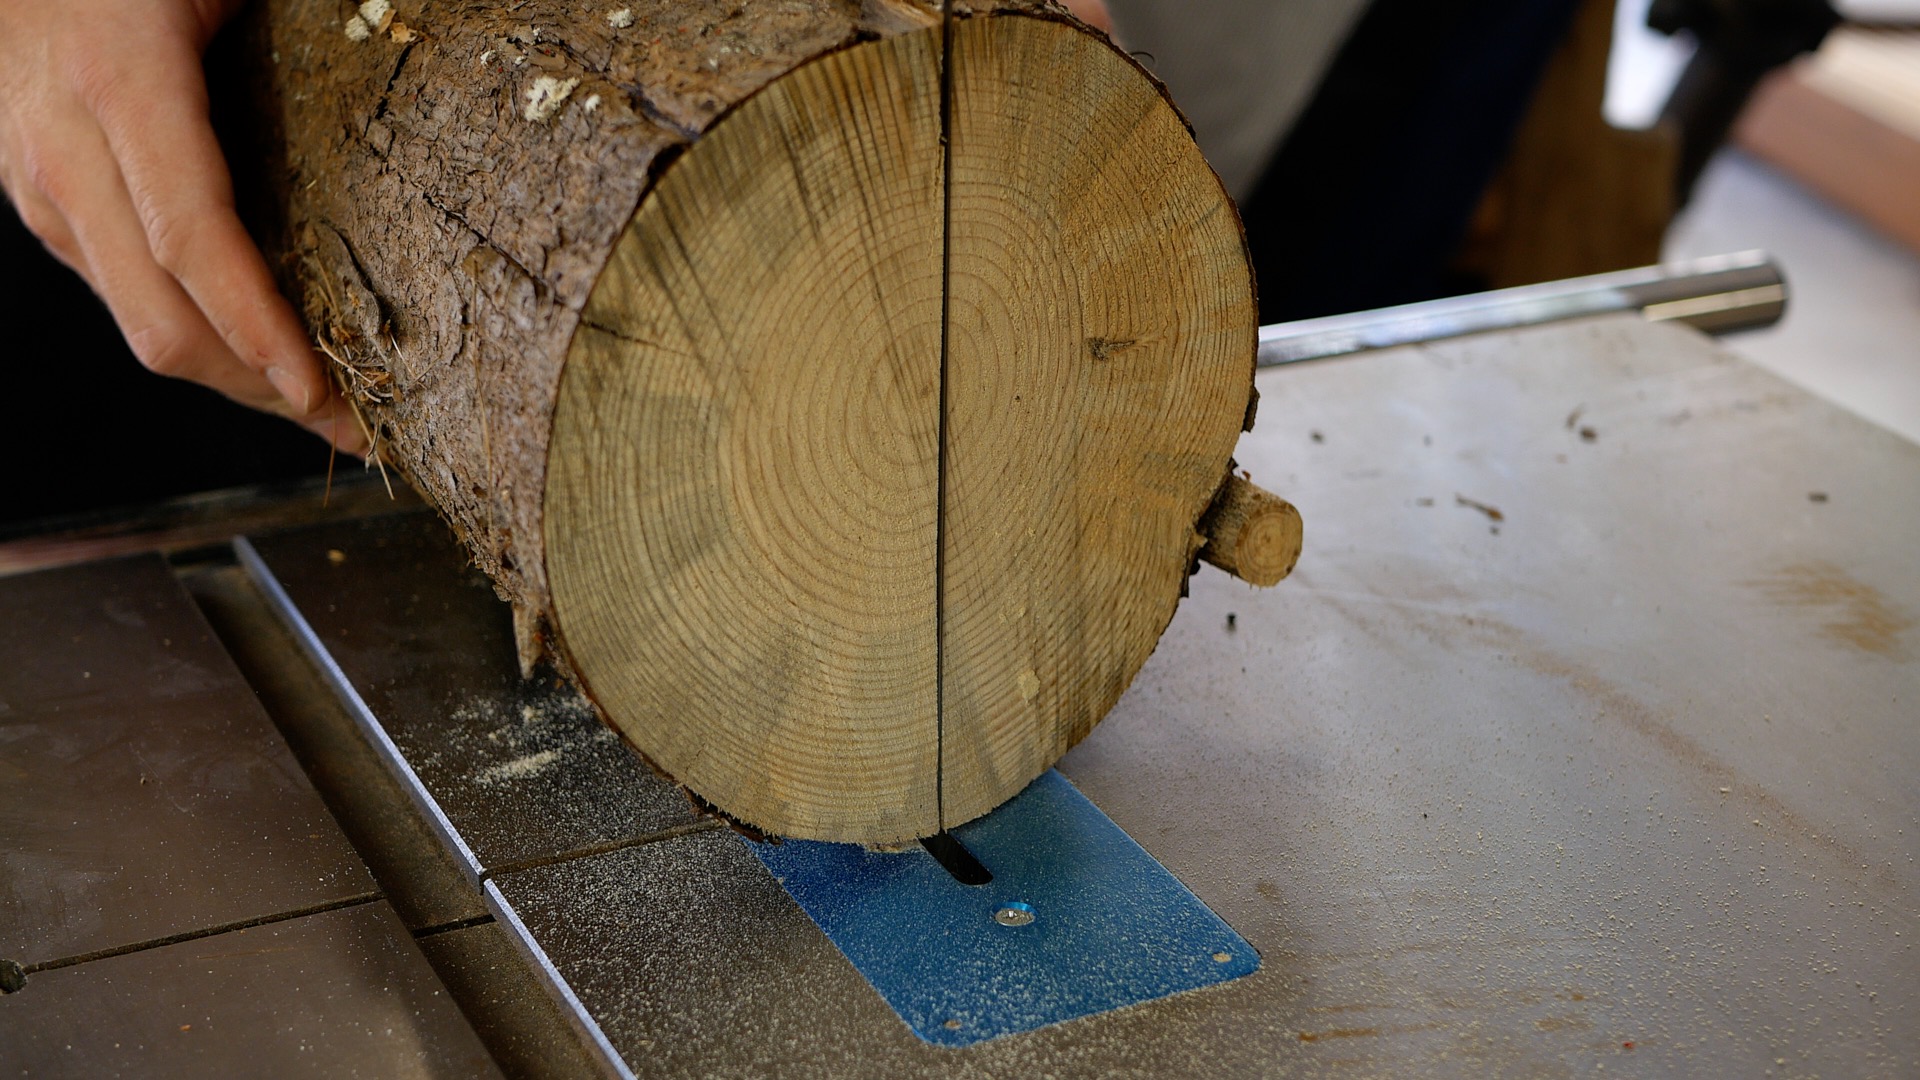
[(441, 235)]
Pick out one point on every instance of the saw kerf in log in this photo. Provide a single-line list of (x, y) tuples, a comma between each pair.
[(854, 457)]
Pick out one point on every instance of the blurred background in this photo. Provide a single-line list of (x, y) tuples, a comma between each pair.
[(1383, 152)]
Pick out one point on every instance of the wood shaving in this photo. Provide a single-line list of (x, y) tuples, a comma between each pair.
[(402, 34), (357, 29), (1493, 513)]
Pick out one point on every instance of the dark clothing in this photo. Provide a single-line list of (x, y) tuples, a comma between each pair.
[(1371, 193)]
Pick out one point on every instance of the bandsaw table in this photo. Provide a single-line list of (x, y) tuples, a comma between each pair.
[(1583, 738)]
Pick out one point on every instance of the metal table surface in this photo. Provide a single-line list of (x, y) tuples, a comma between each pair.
[(1581, 741), (146, 793), (1626, 777), (414, 637), (175, 899), (340, 993), (1575, 742)]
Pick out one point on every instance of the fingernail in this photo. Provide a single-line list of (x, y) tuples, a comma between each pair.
[(291, 388)]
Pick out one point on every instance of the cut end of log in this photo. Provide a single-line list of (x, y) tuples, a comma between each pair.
[(1251, 533), (874, 469)]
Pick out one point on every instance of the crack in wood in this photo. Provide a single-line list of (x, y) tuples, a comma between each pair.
[(940, 503), (386, 93)]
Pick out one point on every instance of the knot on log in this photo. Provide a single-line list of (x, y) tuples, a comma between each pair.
[(1251, 533)]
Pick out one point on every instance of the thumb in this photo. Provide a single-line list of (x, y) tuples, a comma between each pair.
[(208, 16)]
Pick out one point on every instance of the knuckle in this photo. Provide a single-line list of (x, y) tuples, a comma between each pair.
[(44, 173), (46, 224), (43, 219), (99, 82), (162, 350), (173, 238)]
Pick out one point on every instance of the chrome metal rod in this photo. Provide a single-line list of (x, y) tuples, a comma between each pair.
[(1717, 295)]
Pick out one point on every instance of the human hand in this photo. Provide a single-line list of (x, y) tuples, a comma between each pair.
[(1093, 13), (107, 153)]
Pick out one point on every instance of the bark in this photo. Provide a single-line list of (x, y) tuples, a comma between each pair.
[(441, 235)]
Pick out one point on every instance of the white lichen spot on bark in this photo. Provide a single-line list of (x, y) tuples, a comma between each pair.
[(357, 29), (545, 97), (621, 19), (592, 102), (377, 14)]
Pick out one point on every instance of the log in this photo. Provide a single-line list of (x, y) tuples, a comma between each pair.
[(833, 387)]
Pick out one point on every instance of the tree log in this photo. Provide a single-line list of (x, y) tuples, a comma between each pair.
[(835, 386)]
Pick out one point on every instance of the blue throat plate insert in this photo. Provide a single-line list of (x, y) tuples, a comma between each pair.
[(1076, 921)]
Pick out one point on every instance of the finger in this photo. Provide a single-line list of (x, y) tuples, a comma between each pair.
[(49, 226), (166, 330), (1092, 12), (209, 16), (41, 218), (343, 433), (154, 115), (336, 423), (162, 324), (159, 320)]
